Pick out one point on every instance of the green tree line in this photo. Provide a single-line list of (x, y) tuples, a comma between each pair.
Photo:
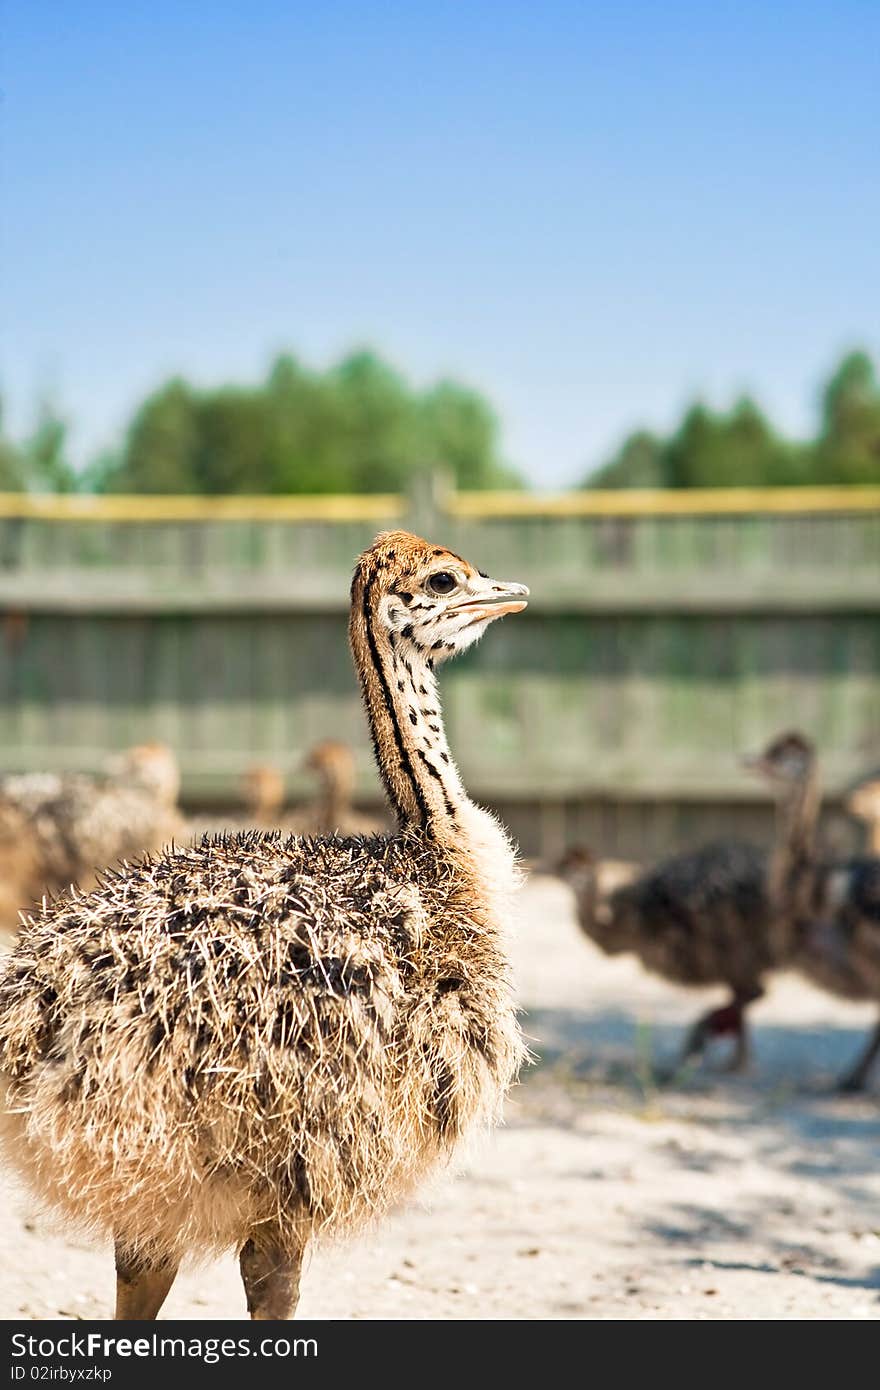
[(358, 427), (361, 427), (740, 447)]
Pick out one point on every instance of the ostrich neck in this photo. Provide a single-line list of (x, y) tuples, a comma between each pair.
[(794, 848), (409, 740), (334, 800)]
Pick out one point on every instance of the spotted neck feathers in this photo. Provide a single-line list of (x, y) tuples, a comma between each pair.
[(402, 703)]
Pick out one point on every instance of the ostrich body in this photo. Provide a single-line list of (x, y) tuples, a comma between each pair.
[(705, 917), (59, 830), (699, 918), (247, 1042)]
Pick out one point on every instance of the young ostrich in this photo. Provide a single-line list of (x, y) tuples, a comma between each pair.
[(828, 921), (59, 830), (704, 917), (247, 1042), (262, 807), (332, 811), (263, 787)]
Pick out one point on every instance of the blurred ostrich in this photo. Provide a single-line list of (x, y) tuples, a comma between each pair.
[(263, 795), (704, 917), (59, 830), (828, 921), (332, 811)]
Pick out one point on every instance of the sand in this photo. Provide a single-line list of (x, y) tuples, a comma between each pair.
[(604, 1196)]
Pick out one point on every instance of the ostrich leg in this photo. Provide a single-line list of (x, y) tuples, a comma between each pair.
[(141, 1288), (270, 1276), (717, 1023)]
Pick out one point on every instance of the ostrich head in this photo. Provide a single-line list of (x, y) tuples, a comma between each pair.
[(597, 917), (788, 760), (331, 758), (263, 789), (577, 868), (429, 600), (153, 768)]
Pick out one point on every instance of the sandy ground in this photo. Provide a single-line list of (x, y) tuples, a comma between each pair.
[(604, 1196)]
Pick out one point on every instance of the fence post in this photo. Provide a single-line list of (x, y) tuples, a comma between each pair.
[(428, 494)]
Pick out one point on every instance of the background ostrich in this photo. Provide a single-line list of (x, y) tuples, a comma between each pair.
[(332, 812), (828, 920), (262, 806), (263, 796), (704, 917), (246, 1042), (57, 831)]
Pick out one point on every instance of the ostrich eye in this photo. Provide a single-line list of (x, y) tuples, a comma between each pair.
[(442, 582)]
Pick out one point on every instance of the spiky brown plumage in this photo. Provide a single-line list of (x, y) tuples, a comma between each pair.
[(259, 1029), (259, 1038)]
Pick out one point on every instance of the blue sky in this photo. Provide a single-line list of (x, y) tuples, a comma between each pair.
[(590, 211)]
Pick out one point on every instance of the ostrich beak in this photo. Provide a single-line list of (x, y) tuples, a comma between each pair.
[(496, 599)]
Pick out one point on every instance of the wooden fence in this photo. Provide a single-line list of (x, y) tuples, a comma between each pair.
[(668, 633)]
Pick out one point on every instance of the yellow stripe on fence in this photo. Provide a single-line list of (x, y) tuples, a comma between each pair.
[(326, 507), (335, 507), (666, 502)]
